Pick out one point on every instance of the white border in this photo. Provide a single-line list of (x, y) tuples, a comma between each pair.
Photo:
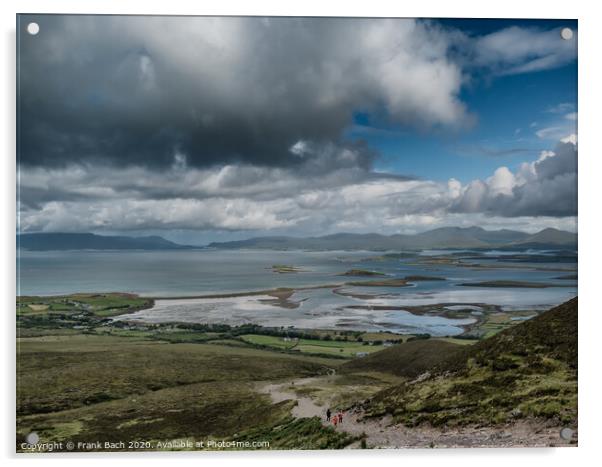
[(590, 80)]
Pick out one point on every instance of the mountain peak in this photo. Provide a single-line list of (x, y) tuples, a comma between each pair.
[(442, 237), (89, 241)]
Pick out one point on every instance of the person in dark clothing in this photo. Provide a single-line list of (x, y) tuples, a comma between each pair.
[(328, 413)]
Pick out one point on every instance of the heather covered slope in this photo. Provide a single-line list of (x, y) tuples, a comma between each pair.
[(406, 360), (529, 370)]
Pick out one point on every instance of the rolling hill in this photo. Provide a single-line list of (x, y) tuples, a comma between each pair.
[(446, 237), (410, 359), (551, 237), (529, 370)]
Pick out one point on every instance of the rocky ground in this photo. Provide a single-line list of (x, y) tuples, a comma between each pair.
[(382, 434)]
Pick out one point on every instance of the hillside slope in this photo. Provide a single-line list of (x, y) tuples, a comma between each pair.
[(529, 370), (550, 237), (407, 360)]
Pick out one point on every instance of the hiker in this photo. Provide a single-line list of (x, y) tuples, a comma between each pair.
[(334, 421), (340, 417), (328, 413)]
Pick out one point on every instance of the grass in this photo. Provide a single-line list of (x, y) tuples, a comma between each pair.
[(498, 392), (88, 387), (497, 322), (269, 341), (60, 373), (528, 370), (409, 359), (185, 337), (101, 305), (454, 340), (64, 314), (345, 349), (215, 409), (384, 336), (305, 433), (337, 348), (344, 389), (285, 269)]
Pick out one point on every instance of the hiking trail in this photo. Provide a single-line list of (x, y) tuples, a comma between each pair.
[(381, 433)]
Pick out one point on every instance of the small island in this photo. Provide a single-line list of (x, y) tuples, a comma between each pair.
[(361, 273), (285, 269), (512, 284), (380, 283), (423, 278)]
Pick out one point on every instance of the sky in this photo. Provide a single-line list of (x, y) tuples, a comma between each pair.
[(217, 128)]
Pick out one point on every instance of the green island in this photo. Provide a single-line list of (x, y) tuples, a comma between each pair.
[(285, 269), (423, 278), (380, 283), (361, 273)]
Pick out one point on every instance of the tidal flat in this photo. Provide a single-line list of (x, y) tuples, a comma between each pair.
[(358, 290)]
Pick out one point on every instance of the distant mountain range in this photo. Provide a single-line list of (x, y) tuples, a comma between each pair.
[(446, 237), (88, 241)]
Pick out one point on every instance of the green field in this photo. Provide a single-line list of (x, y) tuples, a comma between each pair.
[(87, 387), (497, 322), (455, 340), (269, 341), (313, 346), (101, 305), (383, 336)]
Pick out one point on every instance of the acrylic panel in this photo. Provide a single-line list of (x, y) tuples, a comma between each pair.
[(281, 233)]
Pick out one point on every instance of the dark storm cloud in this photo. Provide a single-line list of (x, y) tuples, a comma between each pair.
[(139, 90), (35, 197)]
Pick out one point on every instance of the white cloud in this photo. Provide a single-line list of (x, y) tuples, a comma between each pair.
[(516, 50), (545, 187), (555, 133), (552, 132), (570, 139), (502, 182), (268, 200), (561, 108)]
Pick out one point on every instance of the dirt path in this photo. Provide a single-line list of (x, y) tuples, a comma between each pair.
[(305, 408), (380, 433)]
